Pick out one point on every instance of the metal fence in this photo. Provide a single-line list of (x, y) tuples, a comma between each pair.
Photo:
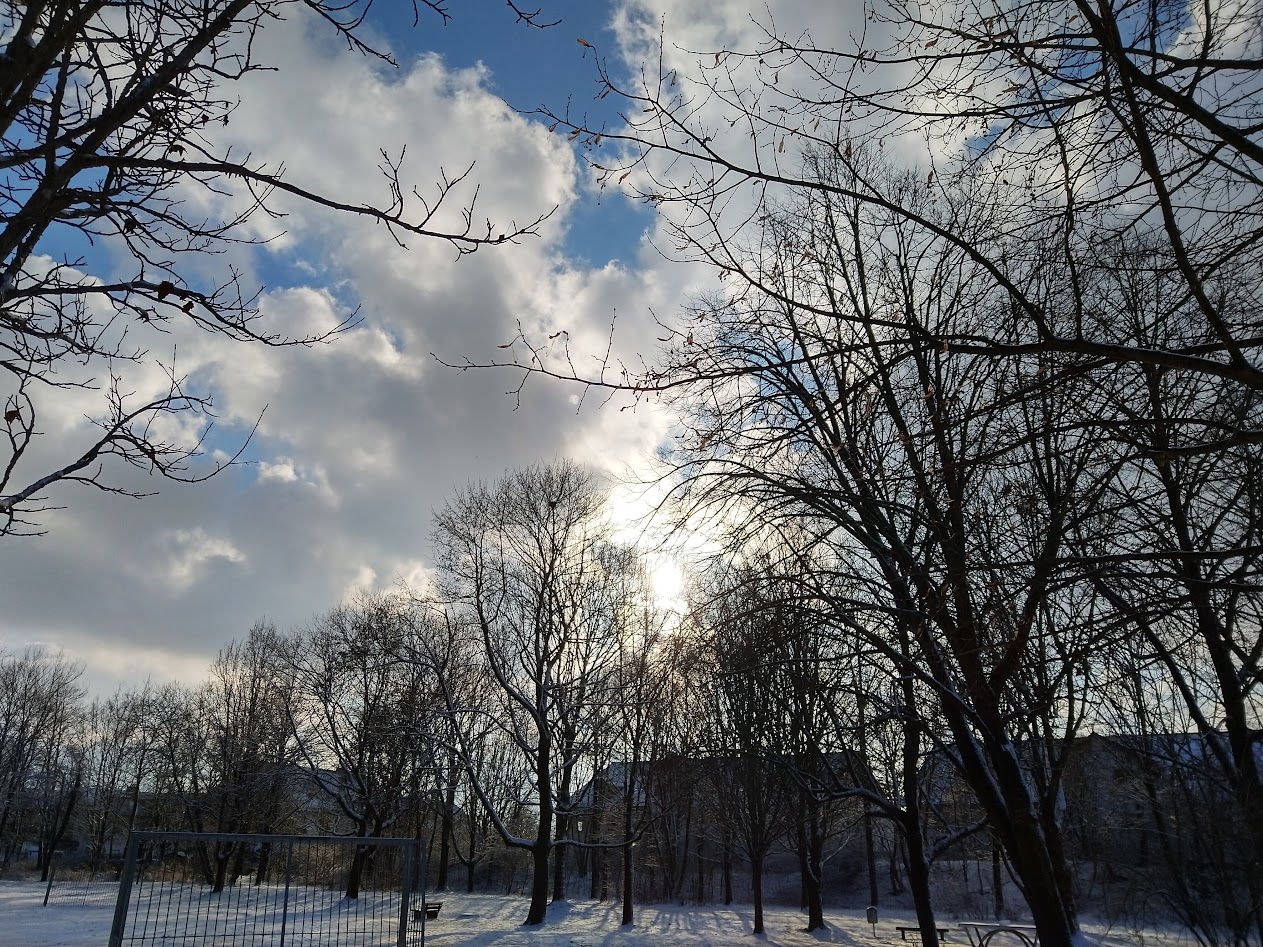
[(220, 889), (81, 887)]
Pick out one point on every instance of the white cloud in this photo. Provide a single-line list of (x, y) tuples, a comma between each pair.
[(187, 553), (282, 471)]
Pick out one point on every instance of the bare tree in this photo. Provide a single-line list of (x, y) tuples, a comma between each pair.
[(803, 688), (498, 768), (117, 761), (58, 781), (1086, 124), (110, 116), (1077, 151), (355, 715), (644, 696), (1177, 562), (39, 698), (527, 566), (251, 752), (183, 777), (749, 734), (817, 407)]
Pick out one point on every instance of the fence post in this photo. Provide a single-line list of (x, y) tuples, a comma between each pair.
[(124, 891), (405, 895), (425, 880), (52, 873), (289, 860)]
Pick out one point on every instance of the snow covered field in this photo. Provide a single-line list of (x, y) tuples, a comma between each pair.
[(492, 921)]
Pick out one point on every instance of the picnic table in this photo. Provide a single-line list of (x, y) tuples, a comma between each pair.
[(981, 933)]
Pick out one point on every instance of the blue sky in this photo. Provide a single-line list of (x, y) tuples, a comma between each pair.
[(534, 68)]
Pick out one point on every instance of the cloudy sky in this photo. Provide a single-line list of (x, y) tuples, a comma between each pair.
[(364, 437)]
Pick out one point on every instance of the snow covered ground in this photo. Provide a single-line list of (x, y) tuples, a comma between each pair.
[(492, 921)]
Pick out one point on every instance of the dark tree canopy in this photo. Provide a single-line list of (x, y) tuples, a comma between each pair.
[(986, 331)]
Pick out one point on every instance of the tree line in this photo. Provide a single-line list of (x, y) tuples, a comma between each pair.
[(537, 699)]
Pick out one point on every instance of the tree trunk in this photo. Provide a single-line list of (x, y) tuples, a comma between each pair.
[(596, 885), (1027, 846), (223, 853), (1030, 838), (918, 862), (727, 870), (919, 882), (628, 910), (4, 817), (445, 840), (597, 854), (355, 875), (894, 861), (238, 864), (870, 854), (559, 857), (686, 848), (60, 831), (134, 808), (756, 885), (265, 857), (629, 798), (812, 865), (539, 882), (700, 893), (538, 911), (562, 817), (997, 878)]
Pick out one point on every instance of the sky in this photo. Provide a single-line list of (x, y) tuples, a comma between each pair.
[(362, 439)]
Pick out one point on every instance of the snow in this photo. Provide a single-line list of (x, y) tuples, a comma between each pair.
[(481, 920)]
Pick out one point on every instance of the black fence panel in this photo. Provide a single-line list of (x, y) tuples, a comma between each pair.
[(220, 889)]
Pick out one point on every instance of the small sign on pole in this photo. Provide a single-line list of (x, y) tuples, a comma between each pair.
[(872, 917)]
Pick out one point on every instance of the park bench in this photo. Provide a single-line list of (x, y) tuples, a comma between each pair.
[(431, 911)]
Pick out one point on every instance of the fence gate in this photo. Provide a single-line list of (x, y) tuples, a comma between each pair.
[(203, 889)]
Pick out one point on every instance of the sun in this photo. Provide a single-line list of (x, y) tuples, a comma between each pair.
[(667, 581)]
